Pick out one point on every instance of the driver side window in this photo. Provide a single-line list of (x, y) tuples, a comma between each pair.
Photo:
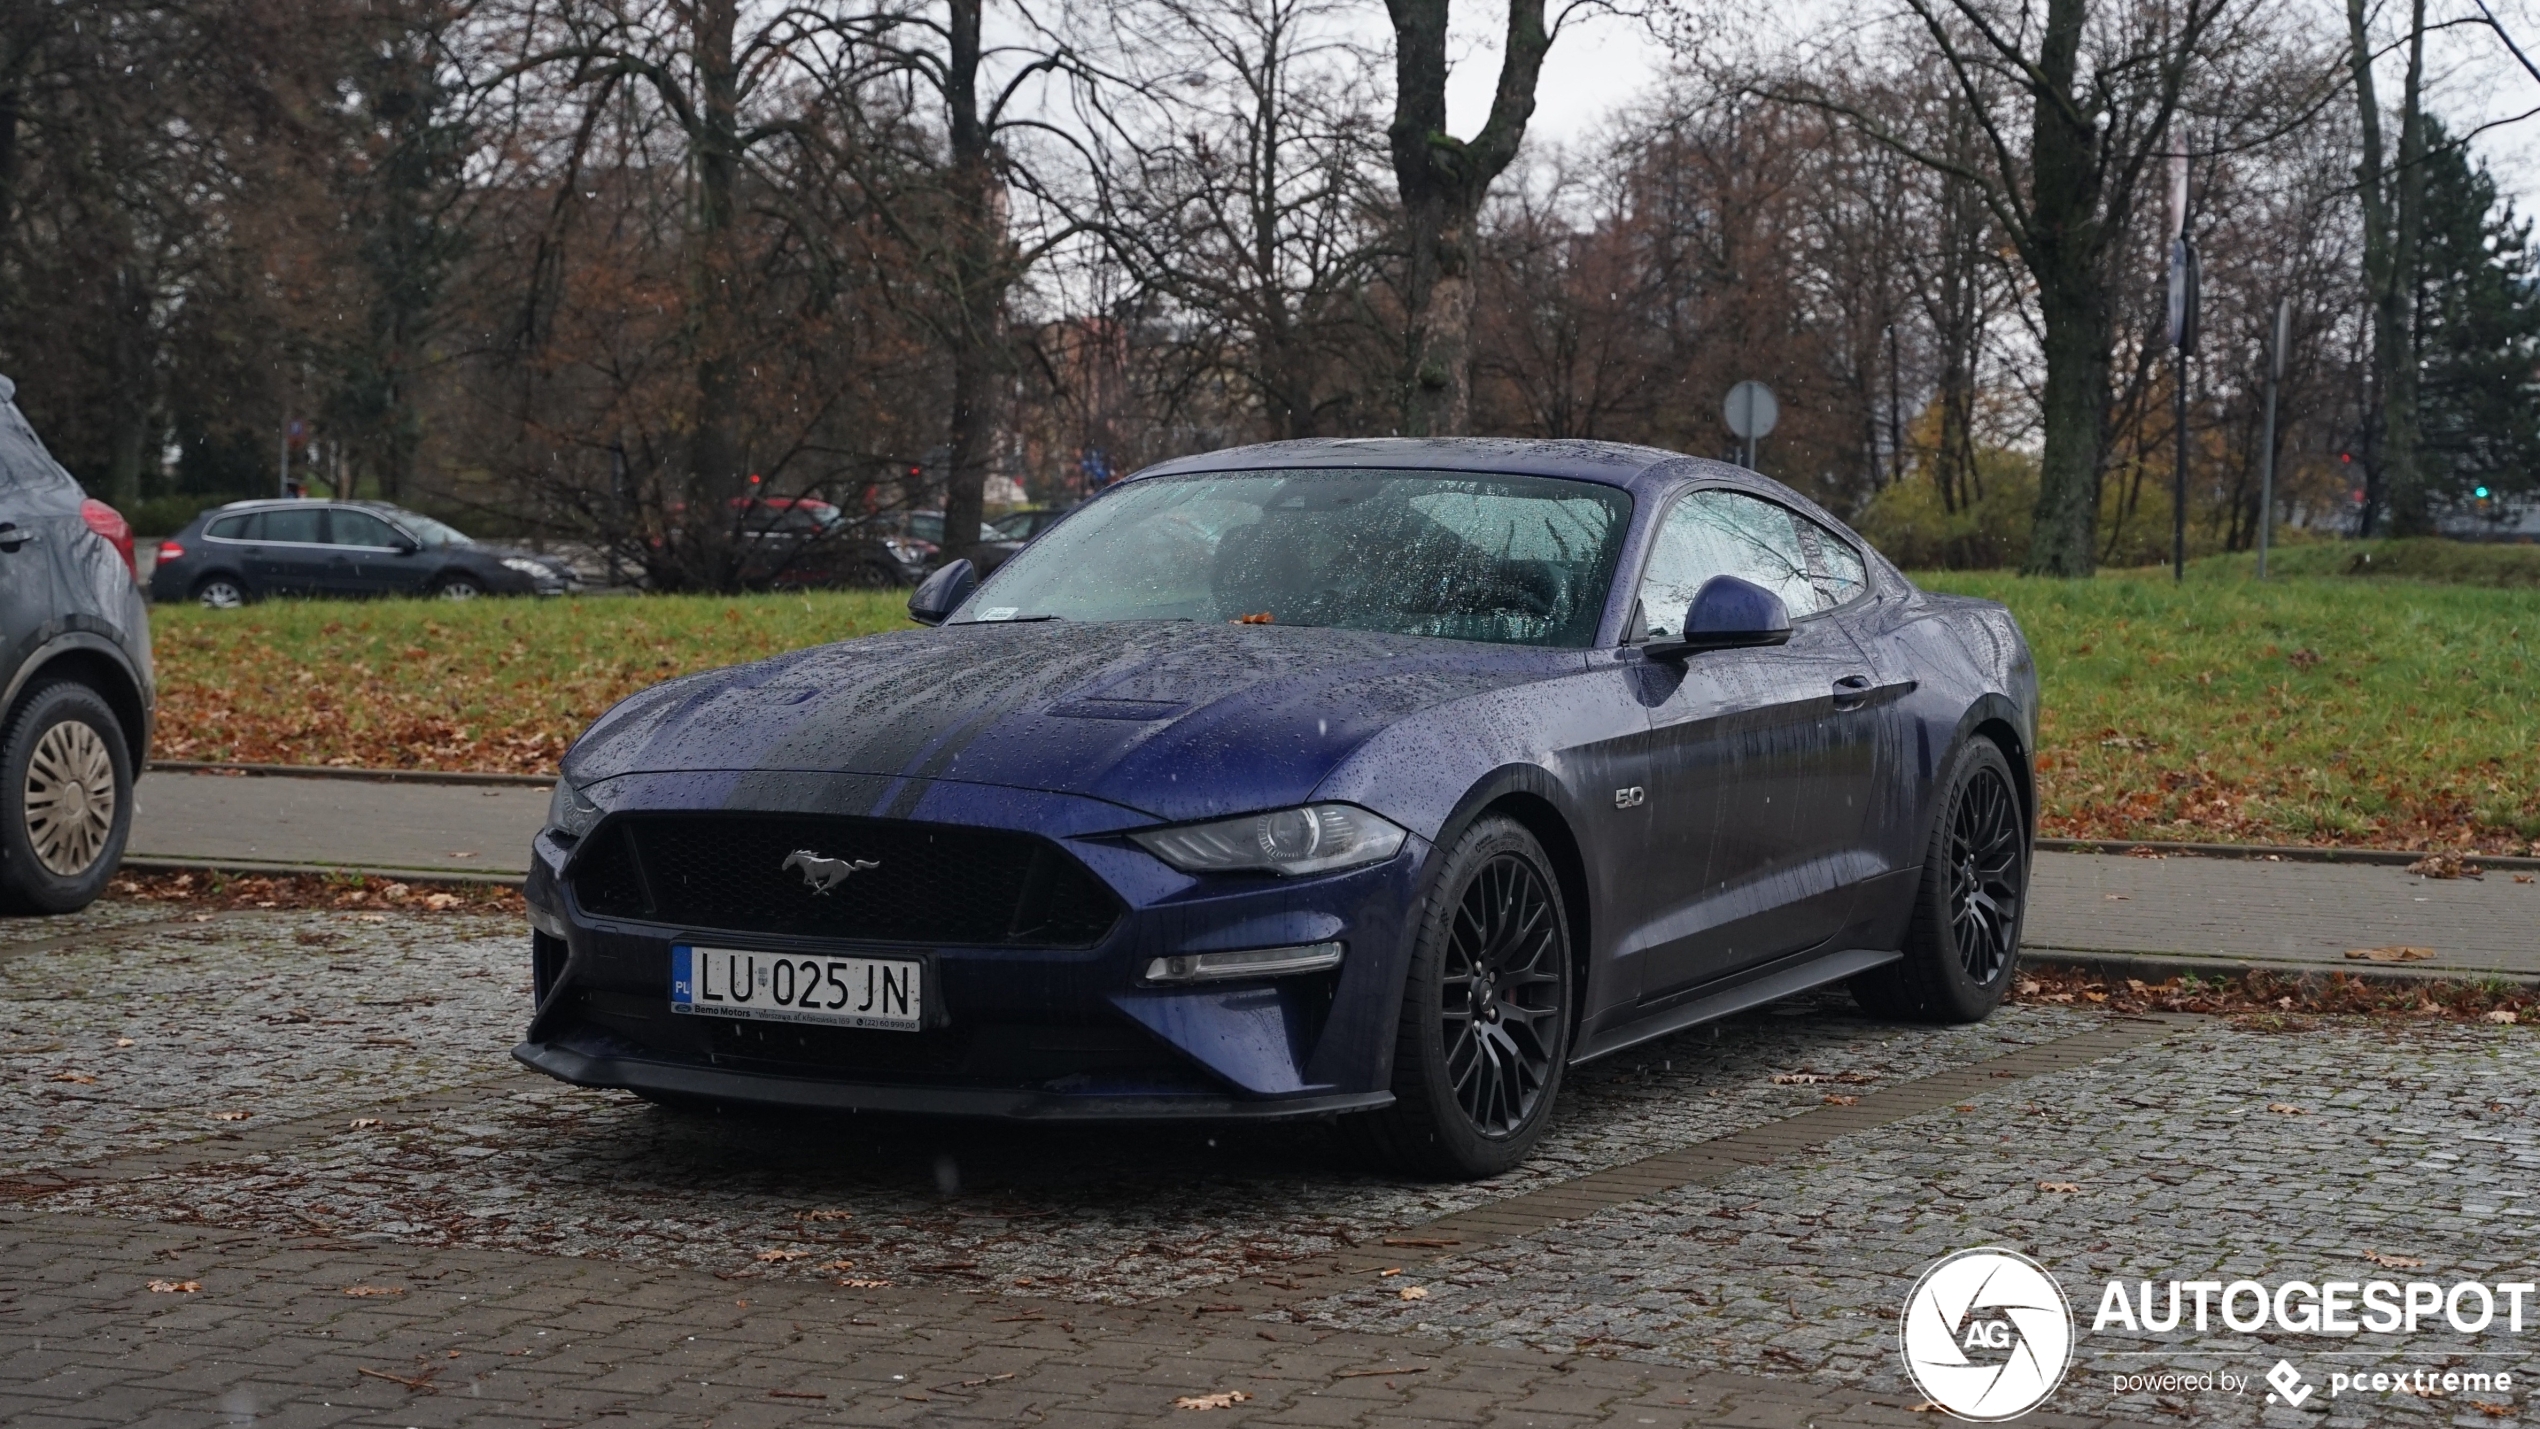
[(1723, 533)]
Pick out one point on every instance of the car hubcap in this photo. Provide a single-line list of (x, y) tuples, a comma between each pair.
[(222, 596), (1500, 999), (1985, 875), (70, 798), (458, 590)]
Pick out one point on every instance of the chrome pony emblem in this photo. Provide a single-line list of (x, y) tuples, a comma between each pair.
[(824, 873)]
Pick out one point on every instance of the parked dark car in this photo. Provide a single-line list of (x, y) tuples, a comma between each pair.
[(248, 550), (1012, 531), (801, 541), (75, 679), (1376, 779)]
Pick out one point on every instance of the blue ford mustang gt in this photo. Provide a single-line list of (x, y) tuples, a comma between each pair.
[(1382, 779)]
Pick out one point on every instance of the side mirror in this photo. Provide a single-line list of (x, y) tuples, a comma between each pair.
[(408, 545), (943, 592), (1726, 614)]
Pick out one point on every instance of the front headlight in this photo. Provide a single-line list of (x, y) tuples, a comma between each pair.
[(570, 812), (1312, 839), (535, 570)]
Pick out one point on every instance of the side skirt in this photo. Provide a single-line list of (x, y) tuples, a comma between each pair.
[(1710, 1002)]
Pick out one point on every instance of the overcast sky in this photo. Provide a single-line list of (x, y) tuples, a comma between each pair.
[(1603, 63)]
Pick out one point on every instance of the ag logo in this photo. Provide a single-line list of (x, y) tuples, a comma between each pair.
[(1988, 1334)]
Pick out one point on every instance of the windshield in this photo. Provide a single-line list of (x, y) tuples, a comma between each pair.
[(1518, 560), (432, 533)]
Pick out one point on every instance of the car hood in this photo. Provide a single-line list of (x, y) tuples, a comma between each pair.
[(1173, 719)]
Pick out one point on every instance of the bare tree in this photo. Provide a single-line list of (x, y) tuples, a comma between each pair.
[(1246, 197), (2065, 144), (1442, 181)]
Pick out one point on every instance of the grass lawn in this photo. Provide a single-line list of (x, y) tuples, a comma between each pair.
[(489, 685), (2305, 710)]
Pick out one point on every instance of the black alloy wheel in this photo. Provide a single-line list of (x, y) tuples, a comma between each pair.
[(1963, 941), (1485, 1025), (1499, 995), (1985, 868)]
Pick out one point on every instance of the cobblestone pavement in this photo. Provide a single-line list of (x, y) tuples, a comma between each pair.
[(399, 1200)]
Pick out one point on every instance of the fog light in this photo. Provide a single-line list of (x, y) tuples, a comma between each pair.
[(1251, 962)]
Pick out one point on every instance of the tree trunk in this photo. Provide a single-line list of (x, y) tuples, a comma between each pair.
[(2393, 204), (128, 440), (2067, 255), (981, 274), (1442, 181), (715, 475)]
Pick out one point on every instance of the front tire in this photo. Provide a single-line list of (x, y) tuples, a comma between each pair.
[(1485, 1025), (1964, 941), (65, 799), (458, 588)]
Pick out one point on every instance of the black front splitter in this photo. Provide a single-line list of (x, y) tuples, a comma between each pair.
[(679, 1079)]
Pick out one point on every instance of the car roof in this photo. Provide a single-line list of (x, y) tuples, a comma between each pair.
[(1609, 463)]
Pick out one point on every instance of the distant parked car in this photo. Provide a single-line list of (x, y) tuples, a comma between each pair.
[(75, 679), (803, 541), (248, 550), (1013, 531)]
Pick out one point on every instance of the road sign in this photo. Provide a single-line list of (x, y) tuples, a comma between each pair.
[(1751, 410)]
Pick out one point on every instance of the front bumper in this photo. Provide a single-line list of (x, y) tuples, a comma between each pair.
[(1046, 1033)]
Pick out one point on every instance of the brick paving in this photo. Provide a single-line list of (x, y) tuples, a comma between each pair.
[(1719, 1232)]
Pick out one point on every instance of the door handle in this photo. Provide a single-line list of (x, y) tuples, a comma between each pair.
[(1851, 692), (13, 535)]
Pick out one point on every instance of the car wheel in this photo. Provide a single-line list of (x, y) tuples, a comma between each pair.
[(1485, 1024), (1964, 941), (219, 593), (65, 799), (457, 588)]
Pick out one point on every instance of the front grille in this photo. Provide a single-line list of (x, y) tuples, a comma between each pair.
[(930, 883)]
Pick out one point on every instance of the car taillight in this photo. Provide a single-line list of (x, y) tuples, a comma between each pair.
[(106, 521), (170, 551)]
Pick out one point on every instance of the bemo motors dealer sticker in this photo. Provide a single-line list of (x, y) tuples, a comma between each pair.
[(1987, 1334)]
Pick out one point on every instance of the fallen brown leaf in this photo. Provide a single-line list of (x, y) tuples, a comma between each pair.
[(363, 1123), (836, 1266), (175, 1287), (2393, 1262), (2286, 1109), (2504, 1015), (853, 1284), (1415, 1292), (1832, 1099), (2394, 954), (776, 1257), (826, 1215), (1223, 1399), (2058, 1186), (231, 1115), (364, 1292), (2443, 865), (82, 1078)]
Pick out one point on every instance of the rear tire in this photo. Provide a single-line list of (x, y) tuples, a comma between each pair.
[(65, 799), (1964, 942), (1485, 1025), (220, 593)]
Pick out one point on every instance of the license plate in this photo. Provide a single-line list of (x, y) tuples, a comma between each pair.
[(797, 987)]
